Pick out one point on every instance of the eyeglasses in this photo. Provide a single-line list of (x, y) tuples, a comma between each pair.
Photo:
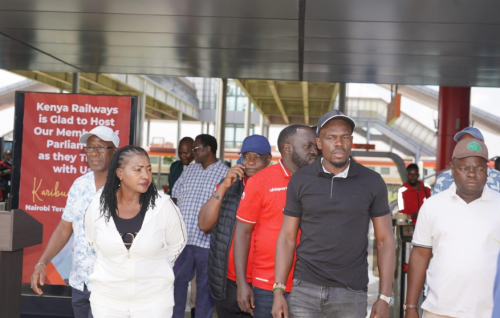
[(196, 148), (100, 149)]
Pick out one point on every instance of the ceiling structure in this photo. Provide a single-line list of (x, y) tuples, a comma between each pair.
[(428, 42), (285, 103), (161, 103)]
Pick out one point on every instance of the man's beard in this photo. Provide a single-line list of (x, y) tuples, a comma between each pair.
[(413, 183), (298, 161), (339, 164)]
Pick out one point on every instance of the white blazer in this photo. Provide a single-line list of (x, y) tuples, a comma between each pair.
[(143, 275)]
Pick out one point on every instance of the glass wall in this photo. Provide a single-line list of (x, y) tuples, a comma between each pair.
[(236, 99), (235, 135)]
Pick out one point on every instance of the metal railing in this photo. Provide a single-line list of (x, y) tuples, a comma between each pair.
[(407, 126)]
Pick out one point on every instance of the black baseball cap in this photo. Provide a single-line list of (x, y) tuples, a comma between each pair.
[(334, 114)]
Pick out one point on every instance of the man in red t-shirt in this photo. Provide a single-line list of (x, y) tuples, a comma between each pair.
[(261, 213), (218, 215), (412, 194)]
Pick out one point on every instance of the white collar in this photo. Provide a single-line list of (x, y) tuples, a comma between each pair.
[(343, 174), (485, 196)]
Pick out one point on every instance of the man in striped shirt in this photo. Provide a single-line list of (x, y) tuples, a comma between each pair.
[(194, 187)]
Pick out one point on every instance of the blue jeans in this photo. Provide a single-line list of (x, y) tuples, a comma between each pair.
[(80, 303), (193, 258), (263, 302), (312, 301)]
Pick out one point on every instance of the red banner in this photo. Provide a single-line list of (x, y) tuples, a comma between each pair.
[(52, 158)]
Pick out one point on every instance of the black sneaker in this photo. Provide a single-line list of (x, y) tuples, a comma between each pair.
[(192, 312)]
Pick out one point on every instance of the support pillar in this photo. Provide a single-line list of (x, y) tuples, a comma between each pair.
[(148, 141), (141, 115), (220, 117), (75, 84), (248, 113), (179, 128), (368, 133), (262, 124), (264, 127), (342, 97), (453, 116)]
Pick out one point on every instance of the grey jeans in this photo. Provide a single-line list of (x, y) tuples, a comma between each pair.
[(312, 301)]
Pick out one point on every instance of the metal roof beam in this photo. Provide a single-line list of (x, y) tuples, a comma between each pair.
[(62, 77), (155, 105), (241, 84), (274, 91), (305, 96), (149, 114), (334, 95), (99, 80), (285, 98)]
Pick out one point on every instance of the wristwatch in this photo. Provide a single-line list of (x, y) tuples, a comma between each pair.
[(406, 307), (388, 300), (216, 196)]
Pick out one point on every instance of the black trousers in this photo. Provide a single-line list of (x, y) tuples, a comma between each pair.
[(228, 308)]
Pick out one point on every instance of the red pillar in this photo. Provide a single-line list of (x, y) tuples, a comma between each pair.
[(453, 114)]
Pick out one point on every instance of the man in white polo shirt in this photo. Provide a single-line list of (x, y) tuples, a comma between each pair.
[(457, 241)]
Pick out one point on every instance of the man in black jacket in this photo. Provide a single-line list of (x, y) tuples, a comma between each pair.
[(219, 216), (186, 156)]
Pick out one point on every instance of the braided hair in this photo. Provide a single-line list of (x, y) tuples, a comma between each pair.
[(108, 202)]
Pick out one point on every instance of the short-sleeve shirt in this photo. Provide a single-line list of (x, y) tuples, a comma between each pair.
[(465, 242), (334, 214), (80, 195), (193, 188), (262, 205), (231, 270), (445, 179)]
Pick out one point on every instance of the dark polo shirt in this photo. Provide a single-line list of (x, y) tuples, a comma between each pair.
[(334, 217)]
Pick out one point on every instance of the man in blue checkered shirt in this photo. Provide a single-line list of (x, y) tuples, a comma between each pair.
[(193, 188)]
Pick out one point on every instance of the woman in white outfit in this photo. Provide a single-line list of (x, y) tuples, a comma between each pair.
[(137, 234)]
